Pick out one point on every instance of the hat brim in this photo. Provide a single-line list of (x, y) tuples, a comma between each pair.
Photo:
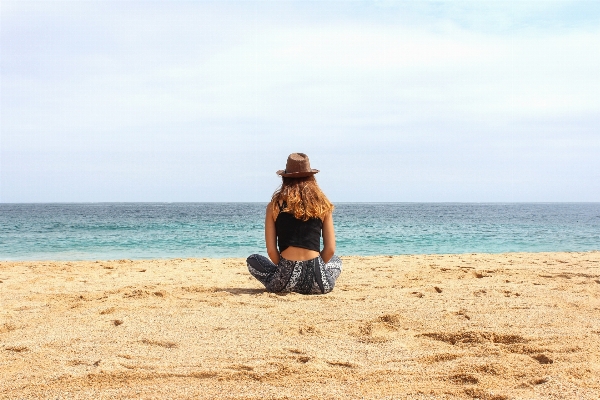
[(301, 174)]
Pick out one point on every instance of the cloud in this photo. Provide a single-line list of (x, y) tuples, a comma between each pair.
[(416, 83)]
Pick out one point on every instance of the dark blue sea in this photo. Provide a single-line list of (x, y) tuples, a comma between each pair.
[(181, 230)]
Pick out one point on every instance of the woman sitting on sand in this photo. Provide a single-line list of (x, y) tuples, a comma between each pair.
[(295, 217)]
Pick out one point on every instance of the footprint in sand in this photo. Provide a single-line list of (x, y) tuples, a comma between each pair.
[(475, 337), (475, 393), (7, 327), (490, 369), (243, 368), (17, 349), (542, 359), (381, 329), (308, 330), (441, 357), (344, 364), (462, 313), (464, 379), (136, 294), (539, 381), (108, 311), (160, 343), (299, 356)]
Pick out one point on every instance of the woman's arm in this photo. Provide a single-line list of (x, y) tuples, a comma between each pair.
[(328, 238), (271, 235)]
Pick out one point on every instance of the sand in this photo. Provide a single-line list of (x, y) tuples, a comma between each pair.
[(504, 326)]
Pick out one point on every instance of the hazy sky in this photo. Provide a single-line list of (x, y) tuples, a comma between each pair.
[(392, 101)]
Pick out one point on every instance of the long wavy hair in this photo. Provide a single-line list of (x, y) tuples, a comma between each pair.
[(303, 198)]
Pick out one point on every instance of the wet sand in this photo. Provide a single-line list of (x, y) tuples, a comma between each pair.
[(503, 326)]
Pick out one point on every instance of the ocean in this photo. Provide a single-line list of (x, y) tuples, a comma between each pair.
[(92, 231)]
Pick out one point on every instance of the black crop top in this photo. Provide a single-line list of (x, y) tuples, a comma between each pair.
[(295, 232)]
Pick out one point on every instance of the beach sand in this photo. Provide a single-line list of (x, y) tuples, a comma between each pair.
[(503, 326)]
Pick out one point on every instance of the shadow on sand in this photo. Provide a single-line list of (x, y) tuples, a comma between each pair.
[(239, 291)]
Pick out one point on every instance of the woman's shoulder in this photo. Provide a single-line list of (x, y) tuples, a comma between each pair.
[(273, 210)]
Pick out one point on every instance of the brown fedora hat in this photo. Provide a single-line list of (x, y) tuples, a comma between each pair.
[(297, 166)]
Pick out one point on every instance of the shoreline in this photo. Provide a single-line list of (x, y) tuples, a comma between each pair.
[(265, 254), (464, 326)]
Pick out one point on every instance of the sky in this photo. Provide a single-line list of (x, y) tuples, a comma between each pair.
[(393, 101)]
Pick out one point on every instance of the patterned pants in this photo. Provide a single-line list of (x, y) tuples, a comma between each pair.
[(306, 277)]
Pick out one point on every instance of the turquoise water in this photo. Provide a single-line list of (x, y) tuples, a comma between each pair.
[(181, 230)]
